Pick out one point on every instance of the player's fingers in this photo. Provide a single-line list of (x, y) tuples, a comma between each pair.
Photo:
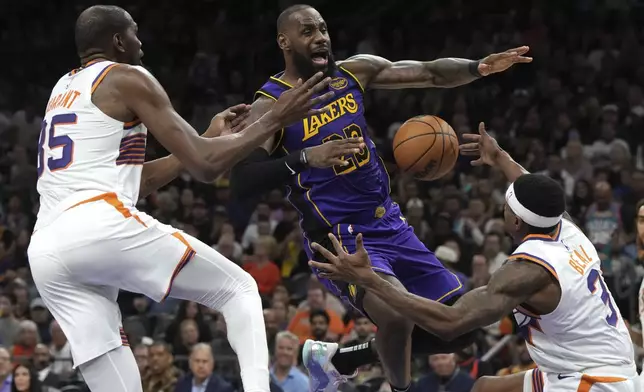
[(519, 50), (477, 162), (470, 152), (321, 266), (337, 161), (239, 119), (482, 131), (241, 108), (336, 245), (522, 59), (324, 252), (321, 99), (359, 243), (319, 86), (312, 81), (471, 137)]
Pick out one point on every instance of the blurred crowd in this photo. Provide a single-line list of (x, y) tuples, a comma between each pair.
[(576, 114)]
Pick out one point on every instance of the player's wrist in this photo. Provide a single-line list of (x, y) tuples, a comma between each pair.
[(271, 121), (473, 67)]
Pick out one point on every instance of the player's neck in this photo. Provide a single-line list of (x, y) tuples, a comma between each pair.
[(291, 76), (93, 58)]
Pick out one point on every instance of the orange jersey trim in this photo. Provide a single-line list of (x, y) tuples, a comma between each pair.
[(113, 200), (101, 76), (588, 381)]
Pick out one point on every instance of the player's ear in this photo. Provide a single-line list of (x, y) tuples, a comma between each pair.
[(117, 40), (282, 41)]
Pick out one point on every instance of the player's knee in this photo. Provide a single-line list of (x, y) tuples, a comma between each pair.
[(393, 324), (247, 284)]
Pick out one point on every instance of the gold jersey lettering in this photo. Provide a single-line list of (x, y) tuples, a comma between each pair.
[(336, 109)]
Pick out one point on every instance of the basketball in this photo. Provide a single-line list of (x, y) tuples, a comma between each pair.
[(426, 146)]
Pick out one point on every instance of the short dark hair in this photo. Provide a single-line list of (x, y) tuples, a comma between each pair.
[(166, 346), (283, 18), (541, 195), (96, 26), (319, 313)]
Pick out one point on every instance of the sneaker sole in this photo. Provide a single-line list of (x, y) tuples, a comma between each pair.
[(317, 373)]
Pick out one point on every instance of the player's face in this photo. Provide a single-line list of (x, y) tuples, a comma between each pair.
[(640, 224), (310, 44), (130, 46)]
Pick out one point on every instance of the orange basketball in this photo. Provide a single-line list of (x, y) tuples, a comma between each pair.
[(426, 146)]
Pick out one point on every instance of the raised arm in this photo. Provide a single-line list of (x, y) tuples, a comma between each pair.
[(378, 72), (204, 158), (269, 171), (514, 283)]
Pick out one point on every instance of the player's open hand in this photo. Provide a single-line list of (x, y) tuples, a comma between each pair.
[(299, 101), (229, 121), (499, 62), (482, 145), (334, 152), (351, 268)]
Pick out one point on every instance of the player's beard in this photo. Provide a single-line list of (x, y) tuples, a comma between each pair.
[(306, 69)]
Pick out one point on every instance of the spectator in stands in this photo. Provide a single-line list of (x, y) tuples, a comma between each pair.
[(602, 222), (523, 358), (187, 310), (319, 320), (445, 376), (9, 326), (493, 252), (5, 370), (262, 225), (161, 376), (449, 256), (480, 272), (280, 313), (363, 330), (272, 328), (60, 350), (142, 357), (25, 379), (228, 248), (265, 272), (283, 371), (189, 337), (470, 364), (42, 364), (201, 377), (26, 341), (40, 315), (316, 299), (575, 163)]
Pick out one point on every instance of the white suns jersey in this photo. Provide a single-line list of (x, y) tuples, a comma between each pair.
[(82, 149), (586, 330)]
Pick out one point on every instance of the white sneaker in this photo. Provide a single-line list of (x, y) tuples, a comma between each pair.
[(323, 377)]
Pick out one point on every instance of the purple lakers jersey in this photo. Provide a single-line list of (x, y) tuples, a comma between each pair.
[(353, 193)]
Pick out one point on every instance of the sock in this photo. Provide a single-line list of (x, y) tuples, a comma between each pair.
[(348, 359), (396, 389)]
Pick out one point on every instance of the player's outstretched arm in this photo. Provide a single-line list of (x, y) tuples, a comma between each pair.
[(269, 172), (160, 172), (514, 283), (207, 158), (378, 72)]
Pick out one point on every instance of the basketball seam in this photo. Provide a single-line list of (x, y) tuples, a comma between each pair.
[(424, 134), (428, 148), (440, 163)]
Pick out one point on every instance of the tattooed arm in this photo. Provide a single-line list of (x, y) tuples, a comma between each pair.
[(514, 283), (511, 285), (378, 72)]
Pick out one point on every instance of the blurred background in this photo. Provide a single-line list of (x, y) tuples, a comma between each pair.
[(576, 114)]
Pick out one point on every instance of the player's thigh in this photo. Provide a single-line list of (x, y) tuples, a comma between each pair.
[(99, 245), (88, 315), (520, 382), (209, 278), (114, 371)]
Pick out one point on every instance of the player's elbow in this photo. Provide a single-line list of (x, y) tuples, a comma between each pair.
[(203, 170)]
